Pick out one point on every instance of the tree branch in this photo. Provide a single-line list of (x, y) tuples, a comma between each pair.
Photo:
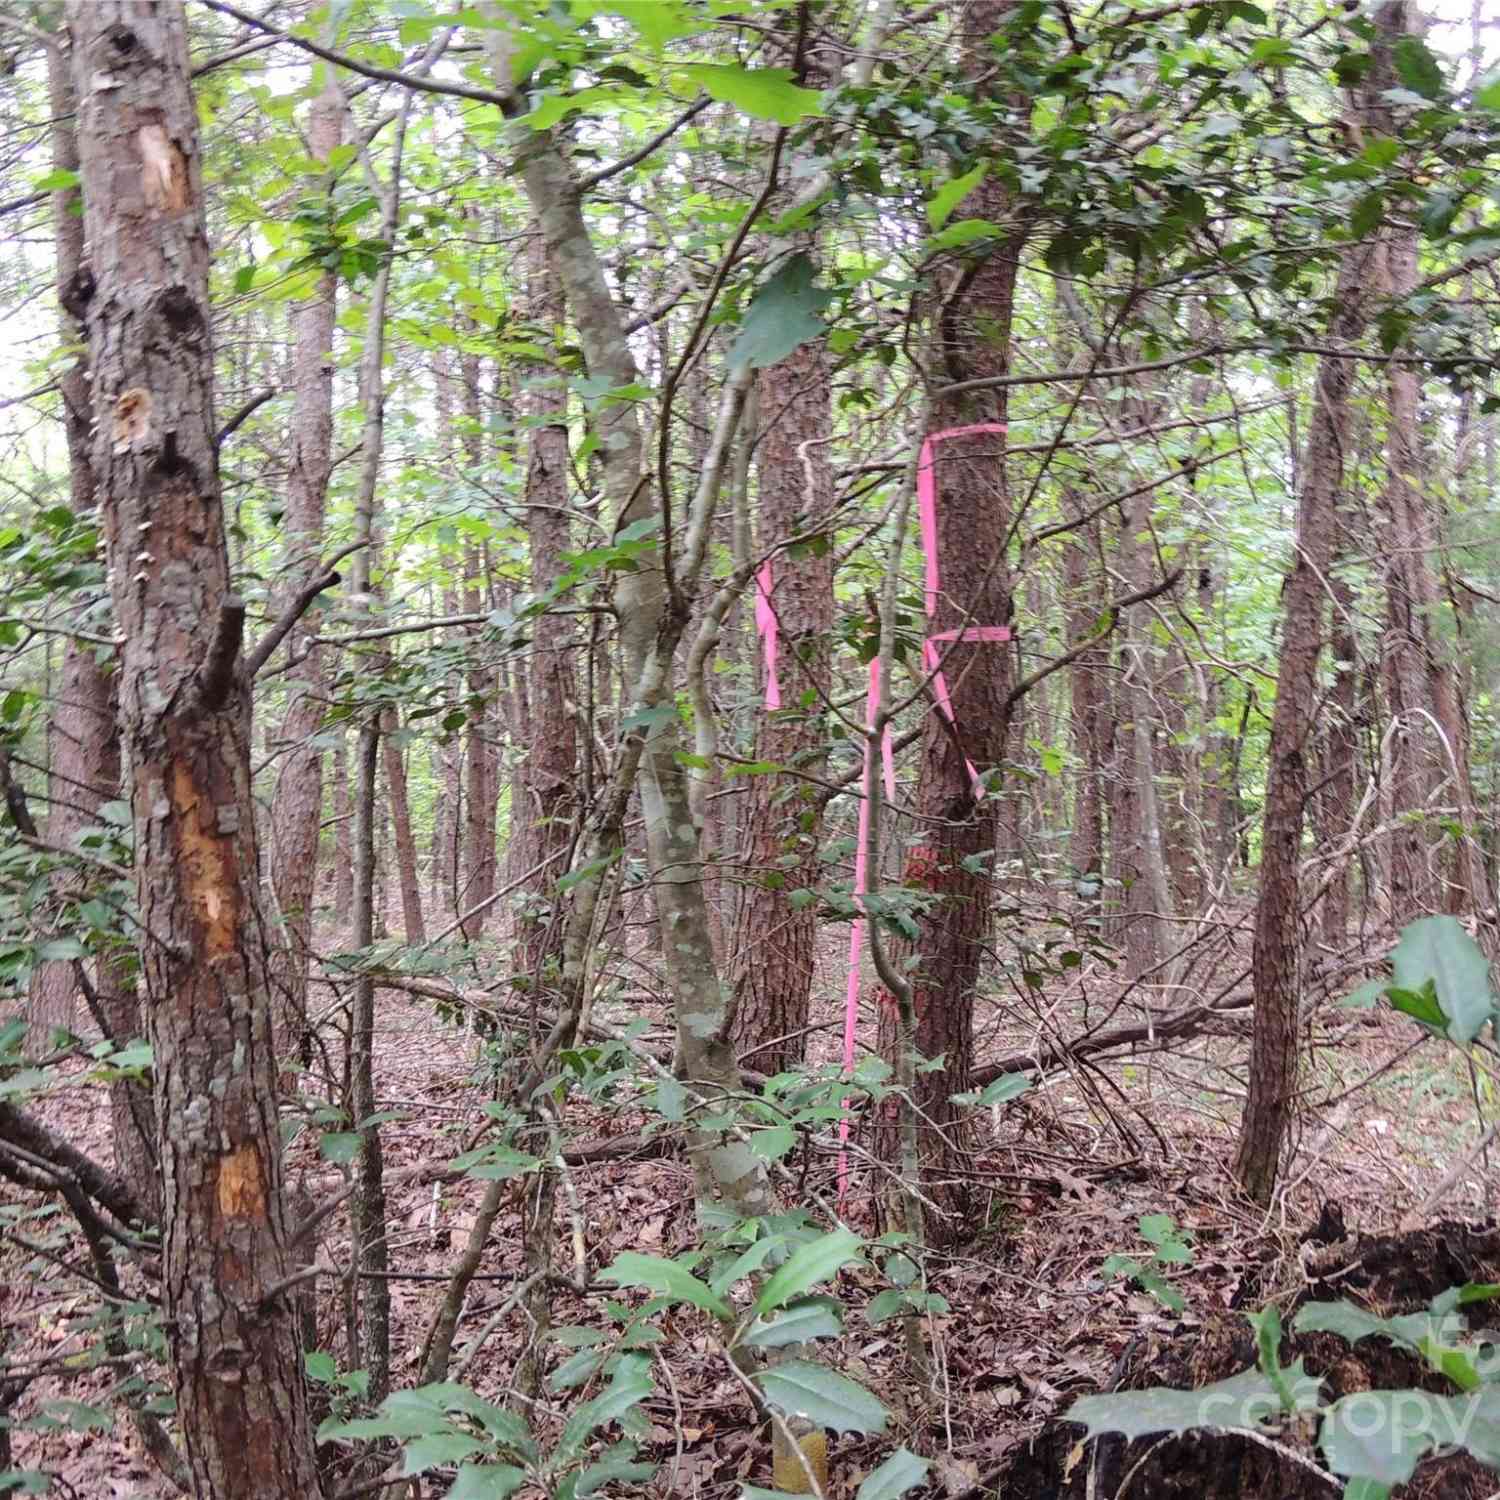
[(299, 605), (660, 138), (20, 1130), (1106, 627), (506, 102), (238, 419), (216, 678)]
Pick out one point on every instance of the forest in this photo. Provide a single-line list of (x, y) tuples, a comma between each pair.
[(749, 747)]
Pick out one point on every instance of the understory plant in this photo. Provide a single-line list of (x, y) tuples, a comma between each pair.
[(1372, 1440)]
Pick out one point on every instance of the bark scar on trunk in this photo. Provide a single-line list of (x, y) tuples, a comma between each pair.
[(207, 867), (164, 173), (242, 1192)]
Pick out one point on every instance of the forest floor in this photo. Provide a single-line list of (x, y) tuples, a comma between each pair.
[(1068, 1171)]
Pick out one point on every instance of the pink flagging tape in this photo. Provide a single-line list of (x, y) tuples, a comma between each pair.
[(861, 886), (932, 659), (766, 627)]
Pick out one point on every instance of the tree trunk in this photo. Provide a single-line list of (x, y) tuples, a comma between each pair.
[(408, 876), (185, 721), (731, 1179), (542, 823), (1275, 977), (84, 767), (1420, 675), (1276, 980), (297, 809), (1088, 711), (1339, 760), (771, 954), (343, 833), (952, 864), (482, 764)]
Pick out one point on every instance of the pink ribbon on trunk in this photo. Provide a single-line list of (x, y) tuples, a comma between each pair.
[(768, 631), (932, 664)]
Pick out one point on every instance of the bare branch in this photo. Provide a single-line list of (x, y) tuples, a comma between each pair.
[(660, 138), (238, 419), (216, 679), (323, 580)]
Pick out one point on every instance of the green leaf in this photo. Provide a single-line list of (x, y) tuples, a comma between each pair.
[(320, 1366), (441, 1448), (765, 93), (1366, 1489), (806, 1267), (1354, 1323), (1470, 1292), (1244, 1400), (823, 1397), (886, 1305), (1454, 1363), (557, 107), (1488, 97), (576, 1369), (783, 317), (1368, 214), (901, 1472), (657, 21), (57, 181), (965, 232), (773, 1142), (953, 192), (998, 1091), (1161, 1289), (1472, 1422), (1365, 997), (620, 1465), (1379, 1435), (1438, 949), (60, 950), (631, 1385), (745, 1263), (1417, 68), (1421, 1005), (812, 1318), (668, 1278), (339, 1145), (486, 1482)]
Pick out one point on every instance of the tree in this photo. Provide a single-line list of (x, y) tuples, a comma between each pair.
[(953, 864), (297, 812), (185, 720), (1273, 1054)]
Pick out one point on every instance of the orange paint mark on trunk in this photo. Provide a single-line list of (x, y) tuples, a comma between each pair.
[(207, 866), (242, 1192)]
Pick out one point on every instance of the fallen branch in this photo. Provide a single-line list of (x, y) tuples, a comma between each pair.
[(28, 1134), (1187, 1021)]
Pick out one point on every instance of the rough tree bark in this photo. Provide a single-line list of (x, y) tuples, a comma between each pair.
[(1089, 733), (772, 950), (408, 875), (543, 824), (297, 809), (771, 954), (959, 830), (185, 719), (1420, 676), (1277, 945), (83, 752), (482, 762)]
